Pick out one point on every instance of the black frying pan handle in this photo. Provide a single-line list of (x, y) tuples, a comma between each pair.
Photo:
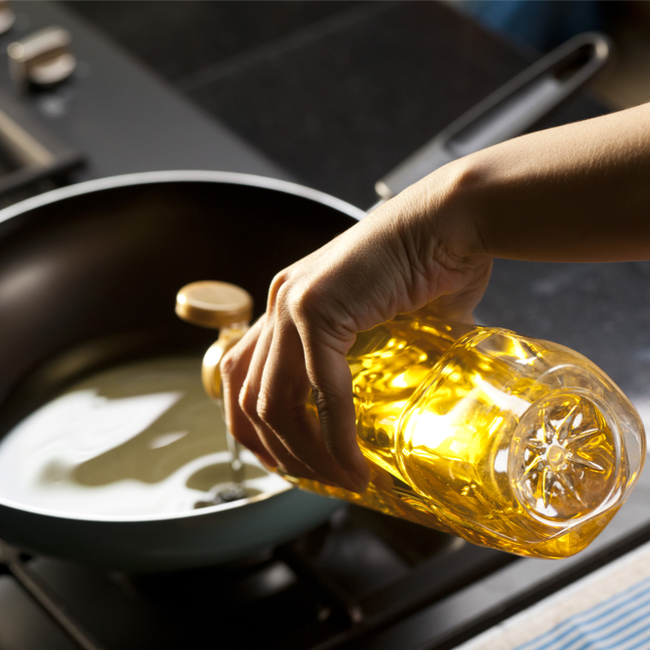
[(507, 112)]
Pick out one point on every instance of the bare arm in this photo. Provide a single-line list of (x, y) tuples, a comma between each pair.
[(577, 193), (580, 192)]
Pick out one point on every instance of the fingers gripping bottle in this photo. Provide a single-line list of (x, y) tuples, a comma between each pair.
[(509, 442)]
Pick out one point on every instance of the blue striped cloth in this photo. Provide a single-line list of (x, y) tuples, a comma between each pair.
[(619, 623)]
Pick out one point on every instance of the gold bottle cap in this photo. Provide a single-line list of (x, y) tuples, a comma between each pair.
[(214, 304)]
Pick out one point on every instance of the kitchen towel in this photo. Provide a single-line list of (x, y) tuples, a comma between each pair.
[(607, 610)]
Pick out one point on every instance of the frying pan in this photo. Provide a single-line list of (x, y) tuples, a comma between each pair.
[(88, 278)]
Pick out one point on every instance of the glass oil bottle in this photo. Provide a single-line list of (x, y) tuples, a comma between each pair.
[(509, 442)]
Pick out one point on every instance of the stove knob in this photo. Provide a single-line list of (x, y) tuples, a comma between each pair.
[(7, 17), (43, 58)]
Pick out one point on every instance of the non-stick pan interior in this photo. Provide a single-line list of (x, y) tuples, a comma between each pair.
[(88, 279), (91, 280)]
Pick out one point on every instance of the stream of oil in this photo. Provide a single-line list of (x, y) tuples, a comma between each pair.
[(138, 439)]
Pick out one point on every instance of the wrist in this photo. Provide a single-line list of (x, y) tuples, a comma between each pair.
[(454, 210)]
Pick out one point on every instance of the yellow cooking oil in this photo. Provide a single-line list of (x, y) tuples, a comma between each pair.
[(509, 442)]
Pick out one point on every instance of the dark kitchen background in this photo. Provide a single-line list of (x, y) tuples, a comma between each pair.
[(337, 93), (332, 95)]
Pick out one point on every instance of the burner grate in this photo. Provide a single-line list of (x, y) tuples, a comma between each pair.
[(12, 563), (336, 585)]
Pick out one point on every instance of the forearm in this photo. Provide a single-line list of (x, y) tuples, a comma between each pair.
[(579, 193)]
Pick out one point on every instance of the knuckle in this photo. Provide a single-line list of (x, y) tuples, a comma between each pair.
[(296, 307), (248, 403), (279, 279), (307, 301), (328, 396), (277, 287), (285, 296), (228, 363), (267, 412)]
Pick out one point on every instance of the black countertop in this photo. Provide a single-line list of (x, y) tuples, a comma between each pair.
[(337, 93)]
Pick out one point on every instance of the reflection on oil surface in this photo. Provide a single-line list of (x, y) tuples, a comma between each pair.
[(138, 439)]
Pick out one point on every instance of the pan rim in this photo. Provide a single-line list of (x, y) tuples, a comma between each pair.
[(153, 177), (180, 175)]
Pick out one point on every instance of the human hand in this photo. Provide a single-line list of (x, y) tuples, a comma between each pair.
[(414, 252)]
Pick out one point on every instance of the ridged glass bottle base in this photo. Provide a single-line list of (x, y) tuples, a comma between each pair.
[(565, 457)]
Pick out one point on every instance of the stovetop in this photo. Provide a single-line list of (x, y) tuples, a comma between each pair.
[(119, 116), (331, 588), (332, 95)]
